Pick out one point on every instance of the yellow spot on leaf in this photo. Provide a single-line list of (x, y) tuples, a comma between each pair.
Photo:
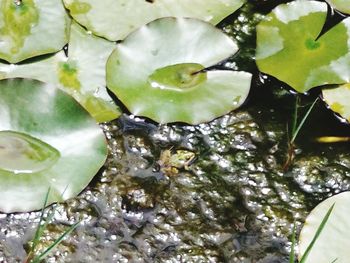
[(78, 8), (337, 107), (101, 110), (18, 21), (68, 75)]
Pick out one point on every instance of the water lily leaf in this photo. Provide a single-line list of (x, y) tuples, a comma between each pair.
[(162, 78), (81, 74), (341, 5), (115, 19), (29, 28), (339, 100), (47, 140), (289, 46), (334, 240)]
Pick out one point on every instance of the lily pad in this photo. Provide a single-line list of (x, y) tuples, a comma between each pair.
[(289, 46), (29, 28), (47, 140), (339, 100), (115, 19), (340, 5), (81, 74), (164, 77), (334, 240)]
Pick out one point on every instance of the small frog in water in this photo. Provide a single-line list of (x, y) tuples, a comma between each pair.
[(170, 163)]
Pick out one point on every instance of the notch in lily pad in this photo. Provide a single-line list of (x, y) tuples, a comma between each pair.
[(47, 140), (30, 28), (332, 244), (166, 77), (290, 47), (100, 16)]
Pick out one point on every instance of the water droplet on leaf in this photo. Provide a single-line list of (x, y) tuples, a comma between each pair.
[(21, 153)]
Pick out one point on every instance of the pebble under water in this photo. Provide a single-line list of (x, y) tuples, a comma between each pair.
[(215, 192)]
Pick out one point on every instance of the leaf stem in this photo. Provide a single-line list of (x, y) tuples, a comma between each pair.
[(317, 234), (39, 228), (292, 250), (297, 130), (295, 115), (54, 244)]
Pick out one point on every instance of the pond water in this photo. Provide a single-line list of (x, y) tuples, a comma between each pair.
[(215, 192)]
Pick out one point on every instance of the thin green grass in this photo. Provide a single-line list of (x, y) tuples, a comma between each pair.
[(40, 228), (295, 115), (317, 235), (295, 131), (40, 257), (32, 258), (313, 241), (292, 250), (296, 128)]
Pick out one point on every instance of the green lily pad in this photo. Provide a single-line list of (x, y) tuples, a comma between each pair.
[(290, 49), (340, 5), (82, 74), (30, 28), (163, 78), (47, 140), (334, 240), (339, 100), (115, 19)]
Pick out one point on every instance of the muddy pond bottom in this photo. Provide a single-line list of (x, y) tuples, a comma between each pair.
[(214, 192)]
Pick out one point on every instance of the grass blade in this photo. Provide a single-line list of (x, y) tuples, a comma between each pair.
[(292, 250), (295, 115), (39, 229), (54, 244), (317, 234), (295, 134)]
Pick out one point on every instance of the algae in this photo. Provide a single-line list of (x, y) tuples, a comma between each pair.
[(18, 21), (68, 75), (79, 8)]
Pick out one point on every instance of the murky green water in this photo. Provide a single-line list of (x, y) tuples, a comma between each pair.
[(233, 202)]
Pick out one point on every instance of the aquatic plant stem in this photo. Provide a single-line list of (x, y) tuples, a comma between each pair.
[(38, 231), (295, 131), (31, 258), (295, 115), (292, 250), (317, 235), (301, 124), (54, 244)]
